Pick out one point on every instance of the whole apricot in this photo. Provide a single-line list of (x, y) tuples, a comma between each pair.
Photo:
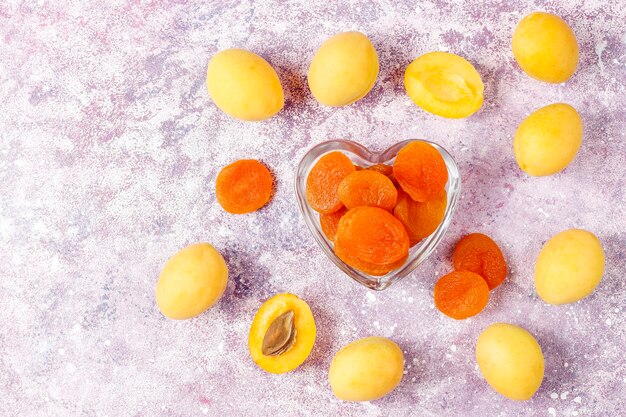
[(343, 70), (366, 369), (545, 47), (244, 85), (191, 281)]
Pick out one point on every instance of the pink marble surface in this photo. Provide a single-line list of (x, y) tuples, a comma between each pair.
[(108, 154)]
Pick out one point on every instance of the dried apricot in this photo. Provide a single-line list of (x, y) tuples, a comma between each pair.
[(371, 235), (478, 253), (329, 223), (323, 181), (244, 186), (384, 169), (373, 269), (367, 188), (461, 294), (420, 219), (421, 171)]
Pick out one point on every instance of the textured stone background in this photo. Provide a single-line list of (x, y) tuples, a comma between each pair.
[(108, 154)]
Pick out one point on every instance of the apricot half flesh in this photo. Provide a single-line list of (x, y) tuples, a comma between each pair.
[(444, 84), (282, 334)]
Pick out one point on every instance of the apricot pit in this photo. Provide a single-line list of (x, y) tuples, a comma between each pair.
[(282, 334)]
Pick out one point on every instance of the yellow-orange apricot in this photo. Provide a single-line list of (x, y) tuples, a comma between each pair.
[(444, 84)]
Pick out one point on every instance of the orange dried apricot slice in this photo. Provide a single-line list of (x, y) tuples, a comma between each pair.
[(420, 219), (330, 222), (384, 169), (461, 294), (421, 171), (371, 235), (373, 269), (367, 188), (244, 186), (478, 253), (323, 181)]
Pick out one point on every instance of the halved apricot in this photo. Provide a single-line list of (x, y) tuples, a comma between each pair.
[(444, 84), (323, 181), (367, 188), (282, 334), (420, 219), (421, 171)]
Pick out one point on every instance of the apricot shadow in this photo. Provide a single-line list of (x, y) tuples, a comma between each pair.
[(247, 280), (327, 329)]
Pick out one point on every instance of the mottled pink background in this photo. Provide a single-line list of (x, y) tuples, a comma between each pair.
[(108, 154)]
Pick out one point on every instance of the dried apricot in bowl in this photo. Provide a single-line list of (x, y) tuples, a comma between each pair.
[(367, 188), (420, 219), (366, 369), (330, 223), (479, 254), (444, 84), (191, 281), (382, 168), (243, 186), (421, 171), (370, 239), (244, 85), (461, 294), (282, 334), (545, 47), (323, 181), (343, 70)]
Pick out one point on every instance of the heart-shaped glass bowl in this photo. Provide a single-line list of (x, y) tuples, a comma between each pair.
[(362, 156)]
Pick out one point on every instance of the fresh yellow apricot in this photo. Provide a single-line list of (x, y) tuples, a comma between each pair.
[(444, 84), (343, 70), (244, 85), (282, 334), (511, 360), (366, 369), (548, 140), (191, 281), (545, 47), (569, 267)]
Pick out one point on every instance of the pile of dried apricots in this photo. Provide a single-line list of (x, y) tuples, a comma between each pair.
[(374, 214)]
